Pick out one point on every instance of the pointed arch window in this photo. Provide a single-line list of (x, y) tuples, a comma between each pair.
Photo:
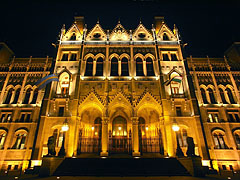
[(27, 96), (222, 96), (17, 93), (73, 37), (211, 96), (35, 95), (99, 68), (204, 97), (182, 137), (150, 70), (124, 67), (3, 135), (114, 66), (89, 67), (219, 142), (237, 138), (9, 96), (230, 96), (165, 37), (139, 67)]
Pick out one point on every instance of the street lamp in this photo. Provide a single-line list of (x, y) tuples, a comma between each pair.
[(176, 128), (65, 128)]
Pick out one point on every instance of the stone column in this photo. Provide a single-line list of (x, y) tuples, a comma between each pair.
[(135, 137), (105, 121)]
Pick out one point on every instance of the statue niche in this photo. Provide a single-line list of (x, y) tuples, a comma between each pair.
[(51, 146)]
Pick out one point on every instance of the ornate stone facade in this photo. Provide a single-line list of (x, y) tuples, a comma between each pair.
[(122, 91)]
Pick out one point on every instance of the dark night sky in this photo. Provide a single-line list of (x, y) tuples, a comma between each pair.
[(208, 28)]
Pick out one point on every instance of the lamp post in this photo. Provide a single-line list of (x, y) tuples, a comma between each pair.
[(179, 152), (65, 128)]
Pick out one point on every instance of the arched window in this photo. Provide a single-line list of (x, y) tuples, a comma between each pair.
[(9, 96), (230, 96), (124, 67), (35, 95), (65, 85), (222, 96), (114, 67), (89, 67), (237, 138), (218, 139), (211, 95), (139, 67), (99, 68), (165, 37), (20, 142), (27, 96), (150, 70), (17, 93), (182, 137), (73, 37), (3, 135), (204, 97)]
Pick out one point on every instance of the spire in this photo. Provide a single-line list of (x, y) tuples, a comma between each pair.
[(97, 20), (119, 22), (140, 20)]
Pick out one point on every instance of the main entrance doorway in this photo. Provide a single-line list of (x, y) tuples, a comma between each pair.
[(119, 138)]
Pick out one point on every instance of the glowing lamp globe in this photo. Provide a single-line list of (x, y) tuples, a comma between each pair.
[(65, 127), (175, 127)]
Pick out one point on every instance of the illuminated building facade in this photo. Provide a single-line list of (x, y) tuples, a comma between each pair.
[(122, 92)]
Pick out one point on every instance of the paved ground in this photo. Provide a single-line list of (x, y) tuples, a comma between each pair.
[(210, 177)]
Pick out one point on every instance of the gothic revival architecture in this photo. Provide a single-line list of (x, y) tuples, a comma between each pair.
[(120, 92)]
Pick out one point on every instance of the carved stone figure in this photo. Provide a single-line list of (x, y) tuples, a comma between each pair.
[(191, 147), (51, 146)]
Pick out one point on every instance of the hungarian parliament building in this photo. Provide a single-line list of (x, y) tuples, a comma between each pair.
[(120, 92)]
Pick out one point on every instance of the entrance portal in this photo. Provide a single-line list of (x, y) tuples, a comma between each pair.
[(120, 139)]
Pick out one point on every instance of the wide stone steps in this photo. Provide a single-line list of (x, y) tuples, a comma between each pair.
[(121, 167)]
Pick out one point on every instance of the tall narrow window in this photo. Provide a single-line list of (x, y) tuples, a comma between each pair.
[(20, 141), (165, 37), (73, 57), (27, 96), (114, 66), (222, 96), (35, 95), (213, 117), (9, 96), (73, 37), (211, 95), (150, 70), (178, 111), (139, 67), (99, 68), (61, 111), (182, 137), (165, 57), (230, 96), (204, 97), (219, 142), (89, 67), (237, 138), (65, 57), (124, 68), (174, 57), (3, 135), (17, 93)]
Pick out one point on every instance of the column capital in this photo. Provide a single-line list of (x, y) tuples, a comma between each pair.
[(105, 120), (134, 120)]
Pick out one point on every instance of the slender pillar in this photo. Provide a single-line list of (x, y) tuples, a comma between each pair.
[(105, 121), (135, 137)]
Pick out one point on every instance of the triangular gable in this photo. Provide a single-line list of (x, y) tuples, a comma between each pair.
[(142, 34), (73, 30), (165, 29), (96, 34), (174, 70), (92, 98), (120, 98), (147, 98), (119, 33)]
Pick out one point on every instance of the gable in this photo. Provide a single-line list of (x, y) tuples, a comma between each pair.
[(166, 30), (119, 33), (96, 34), (72, 31), (142, 34)]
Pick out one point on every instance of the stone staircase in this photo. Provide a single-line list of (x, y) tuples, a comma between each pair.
[(121, 167)]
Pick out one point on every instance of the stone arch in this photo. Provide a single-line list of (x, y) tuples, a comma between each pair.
[(124, 55), (138, 55), (149, 55), (113, 55), (89, 55)]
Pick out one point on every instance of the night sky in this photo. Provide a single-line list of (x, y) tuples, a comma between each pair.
[(208, 28)]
